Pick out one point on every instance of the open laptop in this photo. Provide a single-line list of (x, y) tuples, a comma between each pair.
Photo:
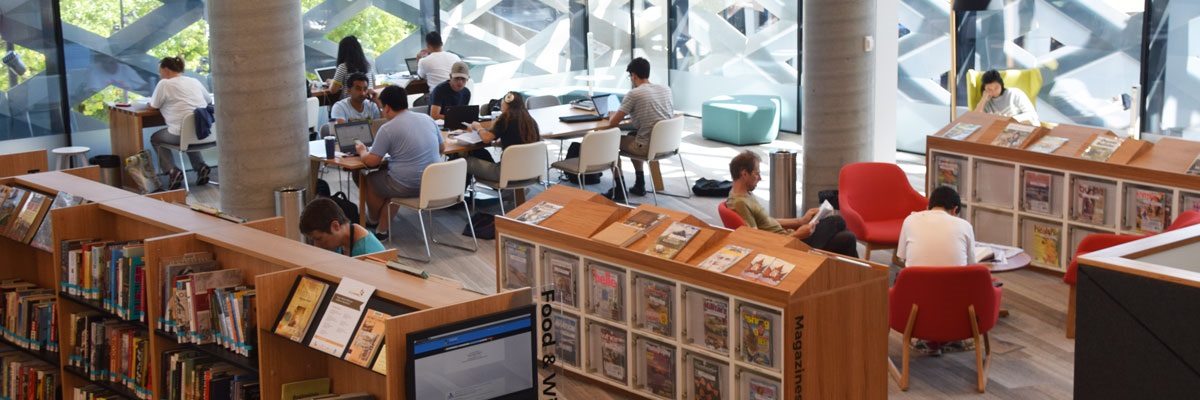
[(325, 73), (457, 115), (346, 134), (412, 65), (603, 105)]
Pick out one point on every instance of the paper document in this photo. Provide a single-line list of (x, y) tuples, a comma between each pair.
[(823, 211), (341, 317), (468, 137)]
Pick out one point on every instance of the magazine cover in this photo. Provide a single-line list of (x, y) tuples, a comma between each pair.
[(516, 264), (1102, 148), (566, 333), (658, 304), (947, 173), (724, 258), (612, 353), (1013, 135), (756, 337), (1046, 247), (774, 273), (608, 293), (762, 389), (706, 381), (757, 266), (41, 239), (367, 339), (660, 369), (1037, 191), (562, 275), (1048, 144), (716, 324), (539, 213), (960, 131), (1151, 211), (8, 207), (1089, 203), (1190, 203), (644, 219), (673, 240), (26, 219)]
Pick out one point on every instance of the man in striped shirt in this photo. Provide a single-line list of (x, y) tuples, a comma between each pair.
[(646, 104)]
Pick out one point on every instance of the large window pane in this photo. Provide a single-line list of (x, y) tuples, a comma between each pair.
[(923, 98), (384, 28), (1173, 69), (30, 95)]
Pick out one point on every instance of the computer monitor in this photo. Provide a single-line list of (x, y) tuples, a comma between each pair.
[(347, 132), (488, 357), (325, 73), (412, 65), (457, 115)]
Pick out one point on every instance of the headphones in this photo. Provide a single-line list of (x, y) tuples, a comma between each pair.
[(509, 97)]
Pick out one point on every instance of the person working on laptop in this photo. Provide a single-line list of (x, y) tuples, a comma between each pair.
[(514, 126), (325, 223), (412, 140), (357, 107), (647, 103), (350, 59), (451, 93), (433, 64)]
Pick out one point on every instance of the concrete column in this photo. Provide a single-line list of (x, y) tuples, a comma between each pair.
[(258, 81), (838, 80)]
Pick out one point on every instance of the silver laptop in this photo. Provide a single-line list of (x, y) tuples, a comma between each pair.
[(325, 73), (412, 65), (346, 134)]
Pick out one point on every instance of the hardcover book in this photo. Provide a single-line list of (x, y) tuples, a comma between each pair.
[(561, 268), (1014, 135), (10, 205), (608, 293), (948, 172), (1102, 148), (724, 258), (1089, 202), (41, 239), (660, 369), (380, 364), (1151, 210), (368, 338), (566, 333), (644, 220), (1037, 191), (1048, 144), (619, 235), (302, 304), (517, 256), (26, 219), (612, 353), (762, 389), (539, 213), (658, 302), (1046, 244), (673, 240), (757, 337), (706, 381), (960, 131), (716, 324)]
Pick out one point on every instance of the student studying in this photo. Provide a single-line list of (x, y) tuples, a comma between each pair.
[(325, 223)]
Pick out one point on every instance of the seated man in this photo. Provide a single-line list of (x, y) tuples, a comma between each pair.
[(937, 237), (434, 63), (412, 141), (1006, 102), (358, 106), (646, 104), (450, 93), (325, 223), (828, 234)]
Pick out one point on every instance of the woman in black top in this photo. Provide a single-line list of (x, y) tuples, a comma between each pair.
[(514, 126)]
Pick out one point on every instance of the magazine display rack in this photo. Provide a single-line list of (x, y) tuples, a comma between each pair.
[(667, 329), (1046, 202)]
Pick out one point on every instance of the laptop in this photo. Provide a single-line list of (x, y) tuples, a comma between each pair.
[(412, 65), (346, 134), (603, 104), (457, 115), (325, 73)]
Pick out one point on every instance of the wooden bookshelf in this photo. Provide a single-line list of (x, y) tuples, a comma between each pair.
[(827, 304)]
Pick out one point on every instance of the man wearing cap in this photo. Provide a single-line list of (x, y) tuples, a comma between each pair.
[(452, 92)]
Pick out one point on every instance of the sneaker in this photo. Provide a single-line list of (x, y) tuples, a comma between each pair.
[(615, 194), (176, 179), (927, 347), (202, 175)]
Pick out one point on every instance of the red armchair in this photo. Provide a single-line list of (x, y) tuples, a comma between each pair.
[(1100, 241), (944, 304), (875, 198), (729, 218)]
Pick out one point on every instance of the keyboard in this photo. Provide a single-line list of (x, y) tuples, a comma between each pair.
[(580, 118)]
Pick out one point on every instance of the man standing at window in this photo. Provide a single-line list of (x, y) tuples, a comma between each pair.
[(647, 103)]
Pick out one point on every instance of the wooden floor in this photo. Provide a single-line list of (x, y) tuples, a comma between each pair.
[(1032, 357)]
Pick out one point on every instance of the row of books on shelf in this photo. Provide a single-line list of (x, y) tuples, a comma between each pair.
[(30, 315), (25, 217), (110, 272), (205, 304), (192, 375), (345, 322), (26, 377), (107, 349)]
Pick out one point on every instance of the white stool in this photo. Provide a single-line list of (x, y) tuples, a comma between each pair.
[(63, 156)]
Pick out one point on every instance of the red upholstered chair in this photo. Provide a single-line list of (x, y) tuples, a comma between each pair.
[(730, 218), (875, 198), (944, 304), (1100, 241)]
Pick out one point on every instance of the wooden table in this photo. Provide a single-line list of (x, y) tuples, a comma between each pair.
[(125, 125)]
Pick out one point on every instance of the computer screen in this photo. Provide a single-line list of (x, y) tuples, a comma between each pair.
[(605, 103), (347, 132), (489, 357), (411, 63), (325, 73)]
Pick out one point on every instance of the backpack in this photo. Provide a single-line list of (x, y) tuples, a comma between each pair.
[(589, 179), (483, 224), (343, 201), (712, 188)]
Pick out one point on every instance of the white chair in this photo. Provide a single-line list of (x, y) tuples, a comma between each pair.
[(600, 151), (521, 166), (188, 143), (313, 106), (441, 187), (536, 102), (664, 143)]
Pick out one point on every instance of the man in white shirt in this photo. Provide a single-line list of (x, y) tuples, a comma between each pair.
[(937, 237), (356, 107), (434, 64)]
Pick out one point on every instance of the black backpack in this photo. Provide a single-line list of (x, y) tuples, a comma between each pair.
[(590, 179), (483, 224), (712, 188), (343, 201)]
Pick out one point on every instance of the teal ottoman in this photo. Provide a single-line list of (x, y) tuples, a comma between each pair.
[(741, 119)]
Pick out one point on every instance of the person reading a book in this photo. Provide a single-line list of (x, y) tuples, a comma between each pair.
[(937, 237), (1006, 102), (829, 233), (325, 223), (514, 126)]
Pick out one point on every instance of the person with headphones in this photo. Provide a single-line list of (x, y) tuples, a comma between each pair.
[(514, 126), (1007, 102)]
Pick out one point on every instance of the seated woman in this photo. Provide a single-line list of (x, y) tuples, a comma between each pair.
[(1006, 102), (177, 95), (514, 126), (325, 223)]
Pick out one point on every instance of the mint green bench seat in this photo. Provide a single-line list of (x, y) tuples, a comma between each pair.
[(741, 119)]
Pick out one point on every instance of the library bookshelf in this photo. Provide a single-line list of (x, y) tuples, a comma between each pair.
[(1045, 203), (821, 333)]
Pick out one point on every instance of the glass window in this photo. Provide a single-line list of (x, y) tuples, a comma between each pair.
[(1173, 70), (30, 92), (923, 98), (384, 28)]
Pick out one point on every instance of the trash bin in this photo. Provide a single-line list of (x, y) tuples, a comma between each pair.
[(783, 184), (110, 169), (289, 202)]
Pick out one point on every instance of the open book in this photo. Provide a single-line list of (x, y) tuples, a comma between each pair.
[(994, 252)]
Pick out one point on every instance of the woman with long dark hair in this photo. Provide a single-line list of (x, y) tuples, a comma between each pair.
[(350, 59), (514, 126), (177, 95)]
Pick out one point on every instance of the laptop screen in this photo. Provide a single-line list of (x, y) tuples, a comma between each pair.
[(346, 134), (604, 104), (325, 73), (412, 65), (457, 115)]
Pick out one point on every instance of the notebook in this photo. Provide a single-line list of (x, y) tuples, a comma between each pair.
[(346, 134), (457, 115), (603, 105)]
